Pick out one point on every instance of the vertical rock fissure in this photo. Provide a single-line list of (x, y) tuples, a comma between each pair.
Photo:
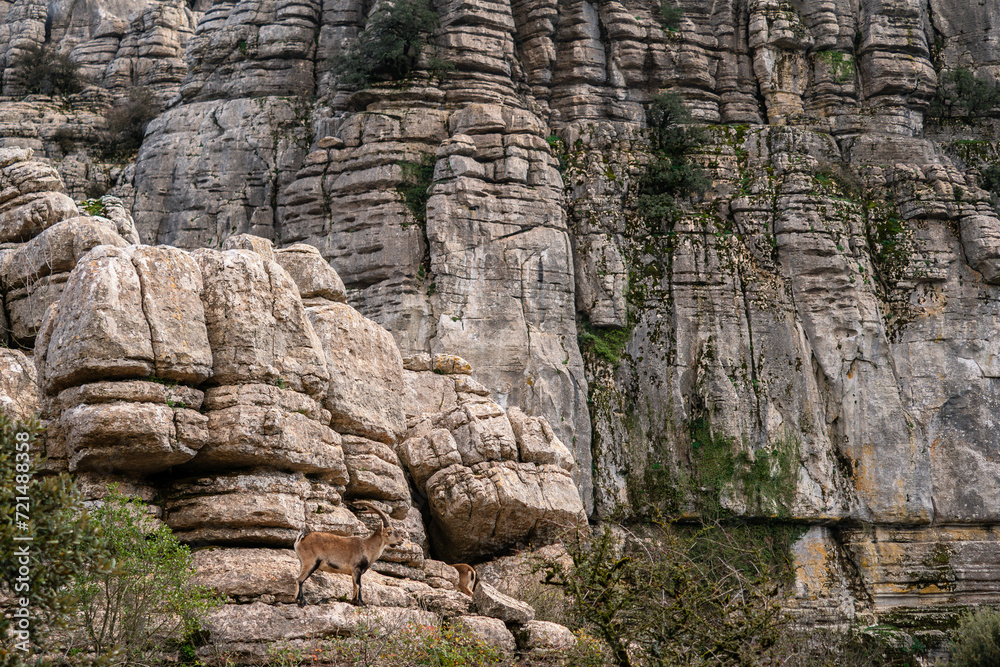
[(754, 381), (158, 352)]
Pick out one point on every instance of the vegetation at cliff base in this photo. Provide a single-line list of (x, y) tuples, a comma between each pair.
[(63, 541), (390, 45), (664, 596), (976, 640), (109, 585), (141, 593)]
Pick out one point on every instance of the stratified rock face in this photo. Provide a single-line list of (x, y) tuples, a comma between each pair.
[(210, 170), (823, 317), (117, 45), (233, 158), (257, 325), (365, 396), (490, 485)]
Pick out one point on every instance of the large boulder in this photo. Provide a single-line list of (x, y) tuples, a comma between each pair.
[(490, 631), (127, 312), (365, 395), (316, 279), (171, 304), (98, 330), (131, 436), (375, 471), (544, 637), (537, 443), (496, 505), (257, 326), (494, 479)]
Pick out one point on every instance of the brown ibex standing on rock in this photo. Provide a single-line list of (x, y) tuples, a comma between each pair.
[(328, 552)]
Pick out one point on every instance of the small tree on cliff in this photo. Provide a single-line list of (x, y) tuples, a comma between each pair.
[(142, 593), (389, 46), (43, 70), (669, 172)]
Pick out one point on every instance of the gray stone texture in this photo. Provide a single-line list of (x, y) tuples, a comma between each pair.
[(777, 315)]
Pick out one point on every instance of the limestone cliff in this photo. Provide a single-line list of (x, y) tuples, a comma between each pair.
[(820, 324)]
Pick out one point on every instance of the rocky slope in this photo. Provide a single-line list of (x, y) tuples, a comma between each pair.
[(819, 325), (251, 402)]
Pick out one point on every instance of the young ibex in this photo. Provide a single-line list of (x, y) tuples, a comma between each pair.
[(467, 578), (346, 555)]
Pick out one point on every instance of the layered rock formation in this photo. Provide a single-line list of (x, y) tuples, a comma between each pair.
[(203, 379), (488, 476), (822, 319)]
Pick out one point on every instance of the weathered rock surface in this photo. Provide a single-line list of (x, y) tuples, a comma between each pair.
[(260, 507), (259, 624), (544, 636), (490, 631), (19, 394), (257, 326), (44, 236), (489, 485), (364, 396), (824, 315), (493, 505), (313, 275), (491, 602), (375, 471), (131, 436)]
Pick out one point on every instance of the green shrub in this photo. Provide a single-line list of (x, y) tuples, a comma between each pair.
[(670, 17), (607, 343), (43, 70), (125, 125), (142, 594), (389, 46), (889, 242), (92, 206), (64, 540), (669, 174), (65, 139), (989, 178), (673, 598), (976, 641), (416, 184), (961, 93)]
